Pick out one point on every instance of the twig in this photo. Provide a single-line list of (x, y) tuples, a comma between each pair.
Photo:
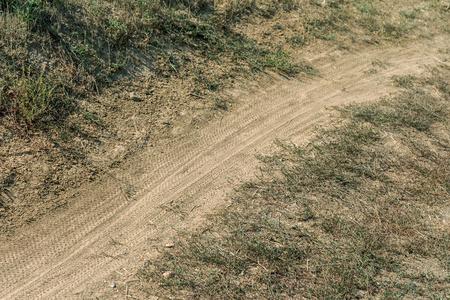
[(197, 95)]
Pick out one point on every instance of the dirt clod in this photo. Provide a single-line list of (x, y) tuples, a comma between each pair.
[(167, 274)]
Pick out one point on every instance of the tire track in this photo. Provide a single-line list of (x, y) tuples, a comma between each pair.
[(62, 257)]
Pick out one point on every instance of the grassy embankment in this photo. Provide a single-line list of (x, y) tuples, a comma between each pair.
[(53, 52), (362, 211)]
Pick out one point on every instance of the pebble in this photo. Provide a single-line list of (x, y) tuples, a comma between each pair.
[(167, 274), (113, 285), (170, 245)]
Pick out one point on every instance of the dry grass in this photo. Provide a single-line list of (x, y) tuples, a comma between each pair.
[(361, 212), (80, 46), (69, 69)]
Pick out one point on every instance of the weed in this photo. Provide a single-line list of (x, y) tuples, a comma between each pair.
[(327, 26), (280, 61), (288, 5), (366, 7), (397, 30), (31, 98), (410, 14), (117, 31), (297, 40), (406, 82), (221, 104), (237, 9), (93, 118), (35, 97)]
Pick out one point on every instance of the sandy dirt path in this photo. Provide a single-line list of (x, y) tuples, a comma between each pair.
[(112, 227)]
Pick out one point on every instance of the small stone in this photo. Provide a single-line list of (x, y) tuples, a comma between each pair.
[(113, 285), (135, 97), (167, 274), (169, 245)]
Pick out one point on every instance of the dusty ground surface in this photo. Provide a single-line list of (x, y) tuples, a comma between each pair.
[(108, 229), (40, 169)]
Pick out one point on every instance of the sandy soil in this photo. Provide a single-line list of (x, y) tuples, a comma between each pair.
[(111, 227)]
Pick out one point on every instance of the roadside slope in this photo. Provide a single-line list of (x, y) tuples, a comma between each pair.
[(117, 224)]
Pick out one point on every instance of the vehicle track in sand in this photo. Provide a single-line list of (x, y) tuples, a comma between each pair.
[(116, 224)]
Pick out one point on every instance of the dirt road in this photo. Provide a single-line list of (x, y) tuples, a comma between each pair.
[(115, 225)]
